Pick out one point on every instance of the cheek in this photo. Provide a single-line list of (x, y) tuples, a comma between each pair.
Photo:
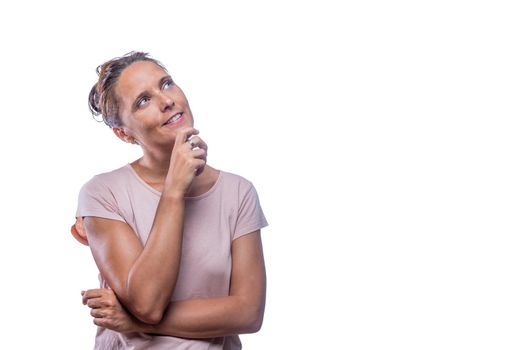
[(180, 96), (134, 129), (145, 132)]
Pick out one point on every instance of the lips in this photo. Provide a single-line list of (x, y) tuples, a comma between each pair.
[(174, 119)]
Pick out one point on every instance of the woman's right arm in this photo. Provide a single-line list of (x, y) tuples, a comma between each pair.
[(144, 277)]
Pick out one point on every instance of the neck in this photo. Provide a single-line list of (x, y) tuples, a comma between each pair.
[(154, 165), (153, 168)]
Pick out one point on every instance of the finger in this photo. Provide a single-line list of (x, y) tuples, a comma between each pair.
[(198, 163), (97, 313), (199, 171), (201, 168), (196, 141), (202, 144), (99, 322), (91, 293), (96, 303), (204, 159), (108, 301), (183, 134), (199, 153), (103, 322)]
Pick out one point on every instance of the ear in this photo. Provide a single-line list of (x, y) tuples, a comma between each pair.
[(123, 135), (77, 230)]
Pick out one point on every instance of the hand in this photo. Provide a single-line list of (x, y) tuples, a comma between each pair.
[(197, 143), (188, 159), (108, 312)]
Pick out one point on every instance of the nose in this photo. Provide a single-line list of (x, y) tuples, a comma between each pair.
[(166, 102)]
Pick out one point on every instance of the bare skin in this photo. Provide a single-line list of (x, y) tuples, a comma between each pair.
[(240, 312), (142, 278)]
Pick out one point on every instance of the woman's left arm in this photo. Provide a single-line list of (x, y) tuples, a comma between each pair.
[(240, 312)]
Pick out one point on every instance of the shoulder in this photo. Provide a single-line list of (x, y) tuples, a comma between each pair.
[(238, 188), (103, 195), (113, 175), (107, 181), (235, 181), (248, 215)]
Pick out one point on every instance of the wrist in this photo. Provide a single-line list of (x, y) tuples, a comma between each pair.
[(141, 327), (174, 194)]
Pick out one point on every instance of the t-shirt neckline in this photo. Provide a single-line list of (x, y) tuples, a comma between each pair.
[(150, 188)]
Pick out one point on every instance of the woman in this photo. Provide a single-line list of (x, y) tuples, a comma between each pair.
[(177, 242)]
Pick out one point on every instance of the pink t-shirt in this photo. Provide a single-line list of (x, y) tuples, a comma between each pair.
[(212, 221)]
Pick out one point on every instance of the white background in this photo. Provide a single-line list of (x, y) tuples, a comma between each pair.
[(385, 139)]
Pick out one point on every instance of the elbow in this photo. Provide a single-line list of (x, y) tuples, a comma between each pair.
[(147, 308), (254, 326), (254, 319), (147, 311), (151, 316)]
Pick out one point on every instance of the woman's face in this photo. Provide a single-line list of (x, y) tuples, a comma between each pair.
[(152, 107)]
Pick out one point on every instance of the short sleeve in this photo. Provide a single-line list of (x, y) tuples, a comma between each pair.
[(250, 215), (96, 199)]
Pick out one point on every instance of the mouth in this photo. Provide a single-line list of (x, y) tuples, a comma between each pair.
[(175, 119)]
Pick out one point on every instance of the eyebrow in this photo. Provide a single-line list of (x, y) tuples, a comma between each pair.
[(160, 83)]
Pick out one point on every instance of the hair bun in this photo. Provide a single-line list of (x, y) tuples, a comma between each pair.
[(94, 101)]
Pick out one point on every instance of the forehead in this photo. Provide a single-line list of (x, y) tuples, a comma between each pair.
[(136, 78)]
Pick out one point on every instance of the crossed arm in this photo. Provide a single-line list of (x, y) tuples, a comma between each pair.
[(240, 312)]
